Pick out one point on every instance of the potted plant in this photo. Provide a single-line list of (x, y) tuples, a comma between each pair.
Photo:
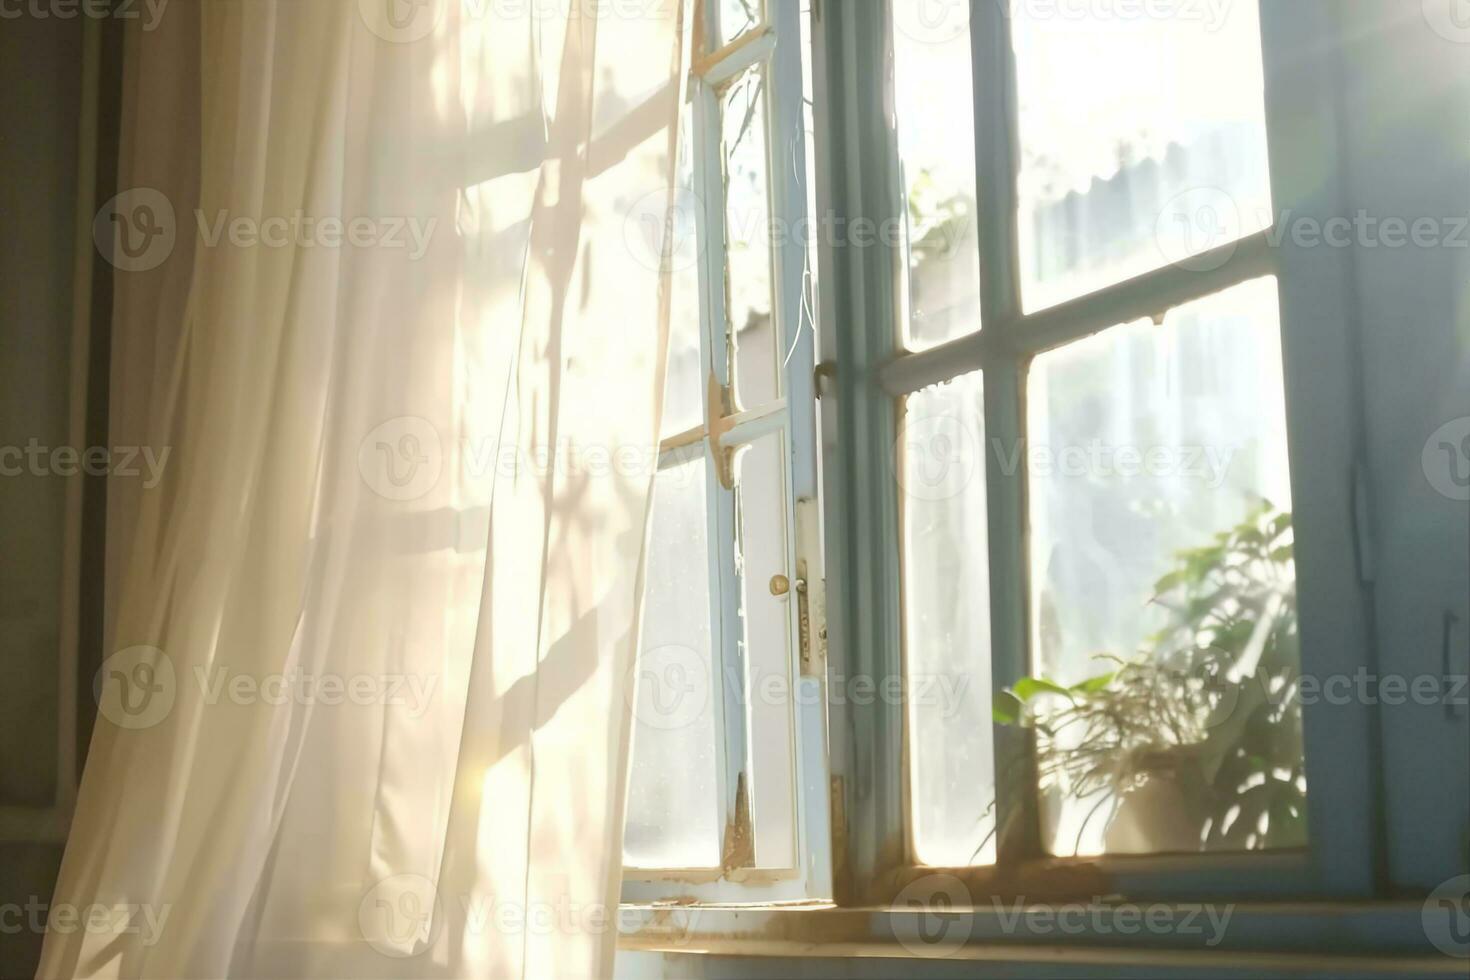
[(1193, 743)]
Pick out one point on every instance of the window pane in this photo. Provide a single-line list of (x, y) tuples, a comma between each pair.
[(748, 237), (761, 555), (1163, 582), (738, 17), (673, 819), (1143, 141), (947, 625), (936, 145), (684, 398)]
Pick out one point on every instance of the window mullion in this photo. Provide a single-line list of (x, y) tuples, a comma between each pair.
[(1004, 382), (858, 168), (1148, 296), (728, 652)]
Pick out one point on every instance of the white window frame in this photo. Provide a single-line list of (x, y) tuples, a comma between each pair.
[(773, 47)]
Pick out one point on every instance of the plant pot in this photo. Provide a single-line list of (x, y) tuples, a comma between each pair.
[(1158, 817)]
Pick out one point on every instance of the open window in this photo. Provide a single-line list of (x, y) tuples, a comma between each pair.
[(1087, 445), (728, 783)]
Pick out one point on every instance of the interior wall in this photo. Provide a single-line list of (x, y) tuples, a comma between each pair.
[(40, 78), (1406, 99)]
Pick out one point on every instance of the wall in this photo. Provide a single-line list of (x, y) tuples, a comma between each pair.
[(40, 76), (1406, 96)]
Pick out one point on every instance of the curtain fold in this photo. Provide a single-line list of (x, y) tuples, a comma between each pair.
[(366, 709)]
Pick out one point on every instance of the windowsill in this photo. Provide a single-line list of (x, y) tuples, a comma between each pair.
[(1356, 938)]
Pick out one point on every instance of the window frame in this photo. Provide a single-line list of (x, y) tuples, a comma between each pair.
[(861, 336), (774, 47)]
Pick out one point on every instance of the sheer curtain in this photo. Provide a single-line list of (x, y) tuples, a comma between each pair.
[(389, 294)]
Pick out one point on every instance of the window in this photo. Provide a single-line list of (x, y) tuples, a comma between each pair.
[(1084, 494), (1137, 442), (729, 724), (1071, 499)]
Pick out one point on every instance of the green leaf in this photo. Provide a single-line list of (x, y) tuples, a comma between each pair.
[(1169, 582), (1094, 684), (1006, 708), (1233, 638), (1029, 687)]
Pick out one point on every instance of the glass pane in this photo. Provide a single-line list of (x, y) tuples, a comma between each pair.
[(761, 556), (737, 17), (673, 818), (936, 145), (1143, 141), (748, 237), (684, 398), (947, 625), (1163, 586)]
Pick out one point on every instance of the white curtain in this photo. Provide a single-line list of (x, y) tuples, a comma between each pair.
[(366, 712)]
